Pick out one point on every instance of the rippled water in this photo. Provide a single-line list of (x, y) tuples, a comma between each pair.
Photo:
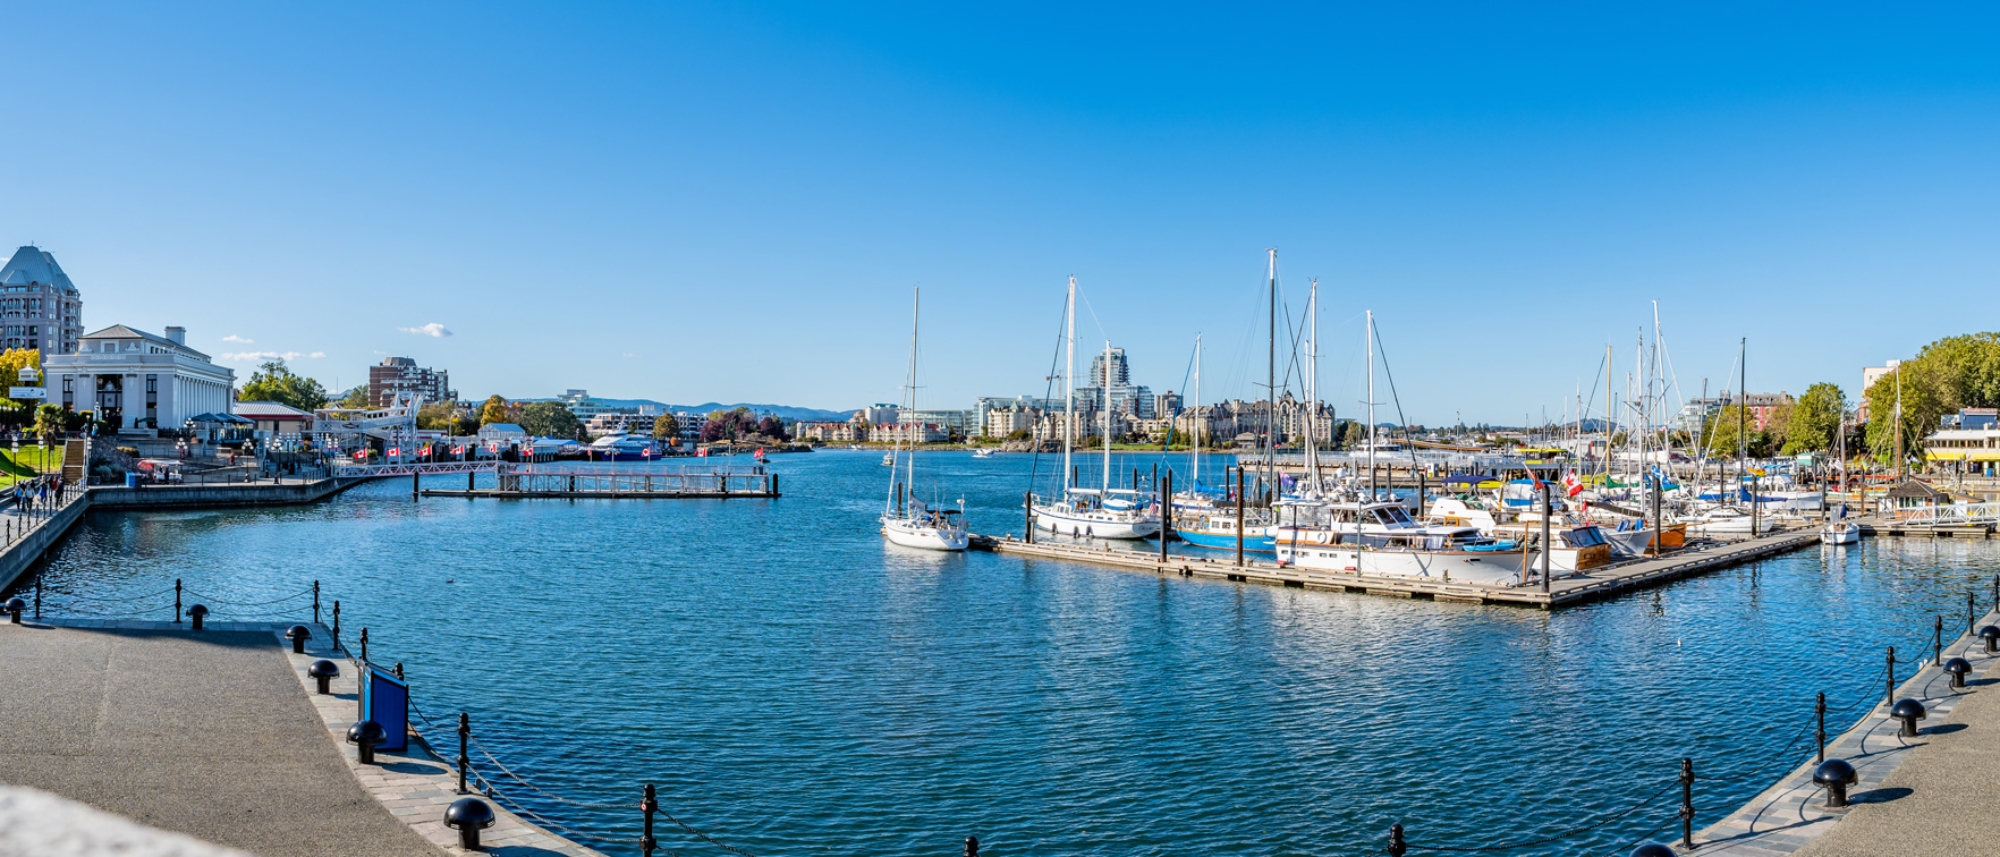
[(795, 685)]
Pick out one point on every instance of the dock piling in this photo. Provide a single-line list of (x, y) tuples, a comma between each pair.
[(315, 602), (1239, 516), (648, 804), (1687, 804), (1028, 515), (1890, 697), (1166, 515), (177, 601), (1937, 641), (465, 735), (1819, 712)]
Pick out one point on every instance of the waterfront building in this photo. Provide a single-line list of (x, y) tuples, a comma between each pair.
[(586, 406), (909, 433), (274, 418), (1166, 404), (39, 307), (1968, 441), (402, 375), (878, 414), (504, 434), (1003, 422), (1695, 413), (959, 422), (133, 378), (849, 431), (1763, 407), (623, 420), (985, 405), (1869, 375)]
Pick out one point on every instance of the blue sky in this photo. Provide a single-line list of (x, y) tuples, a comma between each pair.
[(695, 202)]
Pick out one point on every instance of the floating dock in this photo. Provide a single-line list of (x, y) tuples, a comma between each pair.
[(583, 481), (1565, 589)]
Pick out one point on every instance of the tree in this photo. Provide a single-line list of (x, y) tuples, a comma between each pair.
[(773, 428), (12, 361), (1815, 419), (728, 425), (446, 417), (48, 423), (497, 410), (550, 419), (667, 428), (355, 398), (274, 382)]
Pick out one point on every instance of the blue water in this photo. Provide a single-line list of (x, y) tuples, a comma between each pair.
[(794, 685)]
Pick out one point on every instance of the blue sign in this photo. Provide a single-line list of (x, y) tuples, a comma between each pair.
[(385, 699)]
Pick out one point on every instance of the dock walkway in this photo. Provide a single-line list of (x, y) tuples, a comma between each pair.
[(1564, 590)]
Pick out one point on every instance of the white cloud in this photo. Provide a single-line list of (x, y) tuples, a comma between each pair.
[(234, 338), (629, 355), (433, 330), (261, 356)]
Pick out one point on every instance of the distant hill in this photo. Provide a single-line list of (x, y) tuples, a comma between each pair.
[(783, 411)]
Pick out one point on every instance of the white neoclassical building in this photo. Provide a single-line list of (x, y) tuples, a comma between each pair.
[(131, 378)]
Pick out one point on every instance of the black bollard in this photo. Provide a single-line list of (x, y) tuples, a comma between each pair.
[(1835, 775), (648, 804), (1397, 847), (464, 735), (1937, 641), (1819, 713), (196, 614), (971, 846), (1958, 667), (1687, 803), (14, 607), (323, 671), (298, 635), (469, 815), (1891, 696), (336, 625), (365, 734), (315, 602), (364, 645), (1991, 635), (177, 601), (1909, 711), (399, 669)]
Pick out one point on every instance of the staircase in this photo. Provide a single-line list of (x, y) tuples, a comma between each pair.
[(76, 455)]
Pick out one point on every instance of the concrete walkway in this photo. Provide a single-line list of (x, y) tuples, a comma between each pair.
[(208, 735)]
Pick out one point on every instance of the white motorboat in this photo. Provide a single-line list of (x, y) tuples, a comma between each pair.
[(623, 446), (1722, 521), (1840, 533), (983, 452), (907, 520)]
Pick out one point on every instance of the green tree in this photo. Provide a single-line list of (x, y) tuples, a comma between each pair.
[(48, 423), (355, 398), (1952, 373), (274, 382), (496, 410), (446, 417), (550, 419), (1811, 425), (12, 361), (667, 428)]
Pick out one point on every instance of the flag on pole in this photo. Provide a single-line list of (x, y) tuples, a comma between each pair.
[(1572, 486), (395, 450)]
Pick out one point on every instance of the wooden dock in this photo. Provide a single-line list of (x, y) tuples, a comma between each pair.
[(584, 481), (1564, 590)]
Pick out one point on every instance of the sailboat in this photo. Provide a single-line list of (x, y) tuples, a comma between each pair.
[(1208, 525), (1103, 513), (1839, 530), (907, 520)]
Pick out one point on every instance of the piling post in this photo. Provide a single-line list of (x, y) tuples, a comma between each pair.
[(464, 735), (38, 598), (364, 645), (1659, 523), (469, 476), (774, 483), (1166, 515), (177, 601), (1135, 478), (336, 624), (1819, 711), (1239, 517), (1937, 641), (1755, 507), (1028, 515), (1423, 492), (1687, 804), (1156, 474), (315, 602), (648, 804), (416, 482), (1548, 511)]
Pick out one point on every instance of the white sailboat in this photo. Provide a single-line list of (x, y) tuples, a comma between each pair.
[(1101, 513), (906, 519)]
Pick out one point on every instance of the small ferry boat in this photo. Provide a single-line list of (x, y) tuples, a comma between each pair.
[(622, 446)]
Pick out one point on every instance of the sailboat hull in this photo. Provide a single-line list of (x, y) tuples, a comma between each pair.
[(1216, 540), (912, 534), (1494, 568), (1095, 525)]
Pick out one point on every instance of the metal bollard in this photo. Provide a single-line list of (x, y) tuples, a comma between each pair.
[(1835, 775), (323, 671), (469, 815), (1891, 696), (1397, 847), (365, 734), (177, 601), (465, 735), (196, 613), (1991, 635), (1687, 803), (971, 846), (1958, 667), (1937, 641), (14, 606), (315, 602), (298, 635), (336, 624), (649, 804), (1909, 711), (364, 645)]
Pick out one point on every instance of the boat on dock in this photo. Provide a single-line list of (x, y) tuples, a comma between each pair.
[(1092, 513), (906, 519)]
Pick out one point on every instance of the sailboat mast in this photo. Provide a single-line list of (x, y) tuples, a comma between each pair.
[(1271, 375), (912, 428), (1312, 392), (1200, 418), (1069, 385), (1608, 420), (1106, 382), (1371, 409)]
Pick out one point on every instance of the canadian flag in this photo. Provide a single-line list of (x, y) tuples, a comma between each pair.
[(395, 450), (458, 450), (1571, 485), (701, 453), (645, 453)]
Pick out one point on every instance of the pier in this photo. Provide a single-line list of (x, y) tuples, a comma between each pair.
[(1565, 589), (587, 481)]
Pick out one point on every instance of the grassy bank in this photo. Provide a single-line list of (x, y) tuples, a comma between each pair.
[(30, 462)]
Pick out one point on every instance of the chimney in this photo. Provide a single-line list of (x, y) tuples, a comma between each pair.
[(179, 335)]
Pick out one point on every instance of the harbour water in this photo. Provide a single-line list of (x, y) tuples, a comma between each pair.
[(794, 685)]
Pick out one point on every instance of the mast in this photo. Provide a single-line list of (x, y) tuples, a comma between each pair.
[(1200, 421), (1608, 420), (1271, 377), (910, 429), (1742, 409), (1069, 384), (1106, 381), (1371, 412), (1899, 423), (1312, 393)]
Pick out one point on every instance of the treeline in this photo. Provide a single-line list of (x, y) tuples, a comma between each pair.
[(1952, 373)]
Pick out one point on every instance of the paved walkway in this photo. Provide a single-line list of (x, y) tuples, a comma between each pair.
[(1931, 795), (210, 736)]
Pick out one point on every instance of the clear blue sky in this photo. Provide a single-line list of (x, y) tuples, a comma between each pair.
[(693, 202)]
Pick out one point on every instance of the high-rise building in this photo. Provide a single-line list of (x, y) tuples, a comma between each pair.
[(402, 375), (1120, 375), (39, 306)]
